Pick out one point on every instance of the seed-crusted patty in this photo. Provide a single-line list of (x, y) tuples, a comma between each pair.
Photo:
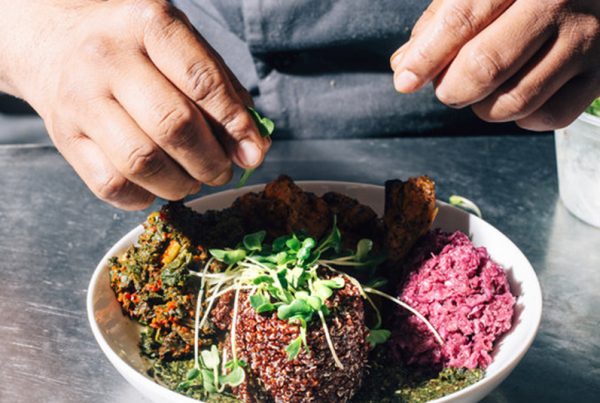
[(312, 376)]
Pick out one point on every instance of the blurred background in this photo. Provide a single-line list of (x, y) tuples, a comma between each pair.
[(19, 124)]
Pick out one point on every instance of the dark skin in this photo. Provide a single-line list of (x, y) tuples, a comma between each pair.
[(141, 106), (535, 62)]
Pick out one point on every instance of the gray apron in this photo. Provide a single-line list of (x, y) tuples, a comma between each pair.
[(320, 68)]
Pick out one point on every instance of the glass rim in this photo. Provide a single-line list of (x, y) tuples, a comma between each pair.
[(589, 118)]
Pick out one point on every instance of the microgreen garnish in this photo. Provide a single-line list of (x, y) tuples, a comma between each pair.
[(378, 336), (266, 127), (214, 376), (465, 204), (293, 278)]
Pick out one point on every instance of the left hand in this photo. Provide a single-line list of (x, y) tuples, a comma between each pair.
[(536, 62)]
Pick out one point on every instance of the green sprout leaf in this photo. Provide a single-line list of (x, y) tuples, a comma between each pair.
[(297, 277), (304, 251), (293, 349), (266, 127), (208, 381), (192, 374), (322, 291), (282, 277), (293, 243), (377, 282), (264, 308), (261, 304), (228, 256), (363, 248), (257, 300), (336, 282), (314, 301), (465, 204), (262, 279), (378, 336), (333, 240), (211, 358), (279, 243), (297, 307), (234, 378), (253, 242)]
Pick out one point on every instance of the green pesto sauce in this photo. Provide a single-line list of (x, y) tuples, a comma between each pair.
[(448, 381), (386, 382)]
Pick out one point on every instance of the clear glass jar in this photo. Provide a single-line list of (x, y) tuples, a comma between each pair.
[(578, 163)]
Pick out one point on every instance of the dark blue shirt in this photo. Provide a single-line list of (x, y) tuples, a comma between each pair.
[(320, 68)]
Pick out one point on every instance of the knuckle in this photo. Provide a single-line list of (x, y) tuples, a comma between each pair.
[(159, 18), (483, 67), (511, 104), (588, 30), (112, 188), (177, 127), (98, 48), (213, 171), (205, 81), (459, 21), (238, 123), (152, 12), (423, 56), (144, 161), (558, 5)]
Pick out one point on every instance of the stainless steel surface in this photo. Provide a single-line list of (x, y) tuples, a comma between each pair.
[(53, 232)]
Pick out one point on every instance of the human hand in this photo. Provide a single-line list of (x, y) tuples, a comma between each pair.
[(136, 101), (530, 61)]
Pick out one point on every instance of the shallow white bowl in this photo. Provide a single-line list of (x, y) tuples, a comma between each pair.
[(118, 336)]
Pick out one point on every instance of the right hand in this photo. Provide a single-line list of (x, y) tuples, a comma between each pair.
[(136, 101)]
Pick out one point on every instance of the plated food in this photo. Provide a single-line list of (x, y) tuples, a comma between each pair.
[(291, 296)]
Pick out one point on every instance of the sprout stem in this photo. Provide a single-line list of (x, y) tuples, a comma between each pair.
[(408, 308), (338, 363), (197, 315), (234, 322)]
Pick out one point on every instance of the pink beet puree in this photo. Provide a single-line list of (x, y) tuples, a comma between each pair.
[(463, 293)]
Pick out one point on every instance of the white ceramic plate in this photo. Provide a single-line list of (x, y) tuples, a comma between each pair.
[(118, 336)]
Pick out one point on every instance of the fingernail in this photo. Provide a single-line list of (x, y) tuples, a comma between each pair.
[(249, 153), (406, 81), (397, 57)]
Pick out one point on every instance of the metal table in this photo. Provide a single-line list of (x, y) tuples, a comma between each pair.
[(53, 232)]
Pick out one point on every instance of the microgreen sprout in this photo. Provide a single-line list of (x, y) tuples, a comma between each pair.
[(378, 336), (214, 378), (465, 204), (266, 127), (292, 278)]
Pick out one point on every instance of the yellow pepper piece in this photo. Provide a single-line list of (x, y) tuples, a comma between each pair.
[(171, 252)]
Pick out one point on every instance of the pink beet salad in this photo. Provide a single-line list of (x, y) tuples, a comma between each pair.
[(463, 293)]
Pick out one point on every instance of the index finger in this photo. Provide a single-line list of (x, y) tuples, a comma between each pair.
[(435, 45), (189, 64)]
